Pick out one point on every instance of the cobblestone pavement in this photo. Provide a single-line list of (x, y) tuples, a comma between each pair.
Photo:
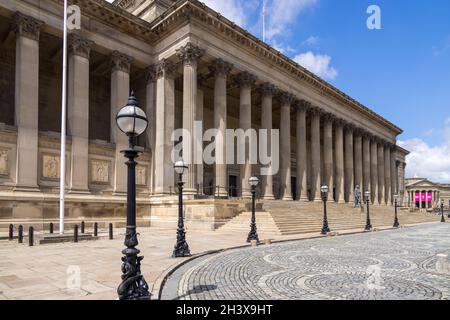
[(387, 265)]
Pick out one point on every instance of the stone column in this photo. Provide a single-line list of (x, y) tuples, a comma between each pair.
[(27, 31), (198, 140), (328, 151), (358, 160), (366, 164), (374, 171), (349, 163), (78, 111), (189, 55), (381, 177), (401, 182), (267, 92), (245, 81), (302, 178), (221, 70), (150, 92), (387, 174), (120, 91), (393, 173), (165, 124), (315, 154), (285, 145), (339, 157)]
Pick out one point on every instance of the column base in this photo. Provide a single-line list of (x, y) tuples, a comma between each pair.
[(269, 197), (317, 200), (26, 189), (303, 199), (287, 198), (78, 191)]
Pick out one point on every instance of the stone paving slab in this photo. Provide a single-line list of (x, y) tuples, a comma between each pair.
[(389, 265)]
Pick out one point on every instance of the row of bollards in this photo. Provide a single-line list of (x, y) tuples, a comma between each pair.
[(20, 234)]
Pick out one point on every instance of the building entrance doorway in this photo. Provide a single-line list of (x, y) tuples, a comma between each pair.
[(232, 186), (294, 187)]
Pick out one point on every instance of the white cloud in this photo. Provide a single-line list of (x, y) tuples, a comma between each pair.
[(318, 64), (233, 10), (311, 41), (426, 161), (282, 13)]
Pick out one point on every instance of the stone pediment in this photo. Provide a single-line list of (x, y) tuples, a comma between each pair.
[(423, 184)]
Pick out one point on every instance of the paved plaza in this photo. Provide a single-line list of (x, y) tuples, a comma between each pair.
[(394, 264)]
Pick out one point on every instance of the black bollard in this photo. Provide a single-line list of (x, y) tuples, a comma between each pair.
[(75, 233), (82, 227), (111, 231), (11, 232), (20, 237), (95, 229), (51, 227), (31, 236)]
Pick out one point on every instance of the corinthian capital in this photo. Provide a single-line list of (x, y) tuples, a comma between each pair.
[(121, 62), (165, 68), (286, 98), (245, 79), (315, 112), (220, 68), (268, 90), (329, 117), (79, 46), (190, 53), (26, 26), (151, 74), (303, 105)]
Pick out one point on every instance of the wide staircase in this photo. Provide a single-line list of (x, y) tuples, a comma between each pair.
[(289, 217)]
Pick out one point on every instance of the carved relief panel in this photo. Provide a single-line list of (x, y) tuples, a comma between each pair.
[(50, 166), (4, 162), (100, 171), (141, 175)]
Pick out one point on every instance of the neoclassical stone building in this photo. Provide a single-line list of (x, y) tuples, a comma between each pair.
[(421, 193), (185, 63)]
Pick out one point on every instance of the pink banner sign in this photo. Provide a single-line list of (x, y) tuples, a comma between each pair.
[(430, 196)]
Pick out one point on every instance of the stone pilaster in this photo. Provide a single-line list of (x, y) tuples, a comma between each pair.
[(302, 177), (339, 156), (27, 31), (120, 91), (358, 159), (328, 152), (245, 81), (285, 145), (221, 69), (267, 92), (78, 111), (387, 174), (374, 170), (150, 96), (366, 163), (349, 163), (315, 154), (189, 56), (165, 125)]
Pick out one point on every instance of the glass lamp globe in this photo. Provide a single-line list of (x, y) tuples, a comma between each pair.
[(253, 181), (367, 193), (396, 196), (131, 119), (324, 189), (180, 166)]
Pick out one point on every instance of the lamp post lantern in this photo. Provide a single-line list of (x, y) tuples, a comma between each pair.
[(253, 234), (442, 211), (368, 223), (132, 121), (396, 223), (324, 193), (181, 248)]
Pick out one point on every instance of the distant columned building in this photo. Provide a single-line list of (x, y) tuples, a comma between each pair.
[(185, 63), (422, 193)]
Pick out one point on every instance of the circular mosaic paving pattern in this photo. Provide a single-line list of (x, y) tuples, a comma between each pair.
[(397, 264)]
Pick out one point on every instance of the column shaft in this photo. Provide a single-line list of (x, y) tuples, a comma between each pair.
[(150, 96), (381, 178), (315, 155), (374, 171), (328, 152), (165, 124), (366, 164), (27, 31), (267, 92), (387, 175), (339, 165), (358, 161), (285, 144), (302, 178), (349, 164), (78, 111)]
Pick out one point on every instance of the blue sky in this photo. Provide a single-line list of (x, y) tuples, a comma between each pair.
[(401, 71)]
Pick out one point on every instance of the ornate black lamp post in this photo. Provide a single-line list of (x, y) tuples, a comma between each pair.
[(324, 193), (133, 122), (442, 211), (368, 223), (253, 234), (181, 247), (396, 223)]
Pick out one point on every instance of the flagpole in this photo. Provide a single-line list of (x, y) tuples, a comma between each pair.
[(62, 171), (264, 20)]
